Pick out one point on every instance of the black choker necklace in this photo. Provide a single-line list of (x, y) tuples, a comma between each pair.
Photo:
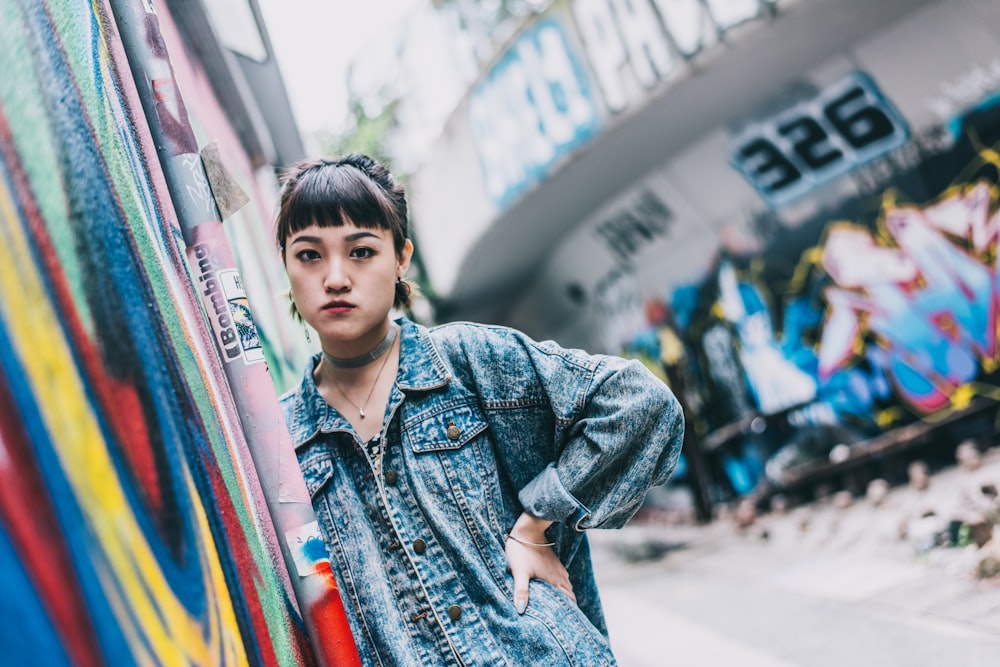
[(367, 357)]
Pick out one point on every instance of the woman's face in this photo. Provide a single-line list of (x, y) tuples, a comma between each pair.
[(343, 282)]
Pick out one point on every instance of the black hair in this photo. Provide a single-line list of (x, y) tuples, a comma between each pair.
[(354, 188)]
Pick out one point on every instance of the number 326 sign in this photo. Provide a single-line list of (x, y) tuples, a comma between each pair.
[(792, 153)]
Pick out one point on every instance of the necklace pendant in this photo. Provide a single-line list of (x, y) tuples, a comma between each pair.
[(361, 411)]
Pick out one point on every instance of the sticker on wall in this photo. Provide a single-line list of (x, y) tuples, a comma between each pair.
[(239, 307), (848, 124), (307, 548)]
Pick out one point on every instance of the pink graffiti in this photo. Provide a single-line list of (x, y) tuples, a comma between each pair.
[(926, 294)]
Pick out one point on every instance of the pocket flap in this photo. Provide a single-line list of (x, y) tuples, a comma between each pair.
[(317, 470), (449, 429)]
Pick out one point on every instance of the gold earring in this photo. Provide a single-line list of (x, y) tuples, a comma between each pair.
[(294, 312)]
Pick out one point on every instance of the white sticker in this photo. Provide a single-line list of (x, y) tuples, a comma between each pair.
[(307, 548)]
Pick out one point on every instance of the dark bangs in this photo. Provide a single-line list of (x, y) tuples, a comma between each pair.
[(328, 195)]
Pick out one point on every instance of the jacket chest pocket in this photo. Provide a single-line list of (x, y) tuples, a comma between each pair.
[(316, 464), (451, 449), (317, 471)]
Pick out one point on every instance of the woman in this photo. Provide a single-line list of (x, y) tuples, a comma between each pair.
[(453, 469)]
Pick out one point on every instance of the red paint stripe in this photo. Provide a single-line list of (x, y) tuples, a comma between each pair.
[(246, 572), (336, 643)]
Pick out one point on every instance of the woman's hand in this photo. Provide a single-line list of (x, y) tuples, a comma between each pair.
[(530, 557)]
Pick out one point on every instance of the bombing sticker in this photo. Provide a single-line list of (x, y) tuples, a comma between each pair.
[(239, 308)]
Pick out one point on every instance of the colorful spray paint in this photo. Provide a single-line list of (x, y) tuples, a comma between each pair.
[(134, 528), (224, 301), (877, 314)]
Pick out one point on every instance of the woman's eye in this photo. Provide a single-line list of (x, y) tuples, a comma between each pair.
[(362, 253), (307, 255)]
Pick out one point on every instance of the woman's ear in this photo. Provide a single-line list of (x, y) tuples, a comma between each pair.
[(404, 258)]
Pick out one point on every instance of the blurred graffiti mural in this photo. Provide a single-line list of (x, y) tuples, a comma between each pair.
[(132, 526), (925, 291), (532, 108), (876, 314)]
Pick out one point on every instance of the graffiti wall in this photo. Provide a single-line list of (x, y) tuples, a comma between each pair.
[(873, 314), (133, 528), (537, 104), (573, 76), (821, 269)]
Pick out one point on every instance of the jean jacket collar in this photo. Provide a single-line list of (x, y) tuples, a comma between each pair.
[(420, 369)]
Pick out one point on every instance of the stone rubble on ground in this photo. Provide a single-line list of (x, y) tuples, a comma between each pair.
[(949, 519)]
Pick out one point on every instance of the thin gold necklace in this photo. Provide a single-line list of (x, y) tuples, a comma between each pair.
[(361, 408)]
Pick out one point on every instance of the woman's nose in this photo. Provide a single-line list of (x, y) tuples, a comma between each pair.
[(336, 278)]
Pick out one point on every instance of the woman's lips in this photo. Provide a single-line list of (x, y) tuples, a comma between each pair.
[(338, 307)]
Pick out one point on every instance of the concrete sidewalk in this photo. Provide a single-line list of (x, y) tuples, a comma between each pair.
[(822, 585)]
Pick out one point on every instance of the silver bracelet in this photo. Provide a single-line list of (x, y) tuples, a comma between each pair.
[(527, 543)]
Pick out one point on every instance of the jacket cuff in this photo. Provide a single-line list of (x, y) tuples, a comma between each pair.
[(546, 498)]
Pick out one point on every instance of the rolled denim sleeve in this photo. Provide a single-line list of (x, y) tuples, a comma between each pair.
[(617, 437)]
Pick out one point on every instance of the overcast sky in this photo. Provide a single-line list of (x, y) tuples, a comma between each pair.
[(314, 41)]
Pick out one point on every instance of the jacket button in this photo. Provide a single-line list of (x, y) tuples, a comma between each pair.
[(454, 612), (391, 476), (454, 433), (419, 546)]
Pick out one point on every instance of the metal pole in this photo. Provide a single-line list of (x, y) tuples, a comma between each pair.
[(217, 281)]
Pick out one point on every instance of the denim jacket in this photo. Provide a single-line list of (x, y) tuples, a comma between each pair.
[(482, 424)]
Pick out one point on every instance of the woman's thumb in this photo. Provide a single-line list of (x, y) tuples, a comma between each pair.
[(520, 593)]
